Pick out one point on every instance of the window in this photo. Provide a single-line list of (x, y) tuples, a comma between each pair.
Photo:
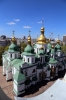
[(11, 55), (28, 59), (33, 71)]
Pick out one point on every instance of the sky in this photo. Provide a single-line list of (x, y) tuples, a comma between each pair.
[(24, 15)]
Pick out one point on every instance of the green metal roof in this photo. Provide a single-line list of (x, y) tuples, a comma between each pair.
[(52, 51), (29, 49), (52, 60), (16, 61), (58, 46), (41, 52), (49, 46), (8, 66), (13, 48), (19, 76)]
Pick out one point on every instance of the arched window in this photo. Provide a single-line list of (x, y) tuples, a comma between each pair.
[(28, 59), (11, 55), (33, 71)]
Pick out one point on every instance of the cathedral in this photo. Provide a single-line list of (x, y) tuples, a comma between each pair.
[(42, 61)]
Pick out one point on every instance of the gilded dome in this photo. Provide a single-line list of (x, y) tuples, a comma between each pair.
[(41, 39), (13, 38)]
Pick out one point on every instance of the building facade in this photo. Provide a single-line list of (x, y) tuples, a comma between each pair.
[(39, 62)]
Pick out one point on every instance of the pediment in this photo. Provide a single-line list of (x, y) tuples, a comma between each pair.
[(24, 65)]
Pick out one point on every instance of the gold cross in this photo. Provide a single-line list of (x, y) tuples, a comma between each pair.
[(29, 32), (13, 32), (42, 23)]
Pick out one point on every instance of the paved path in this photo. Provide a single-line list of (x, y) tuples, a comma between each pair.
[(40, 87)]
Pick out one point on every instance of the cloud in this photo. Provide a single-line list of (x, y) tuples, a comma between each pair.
[(39, 22), (17, 20), (27, 27), (11, 23)]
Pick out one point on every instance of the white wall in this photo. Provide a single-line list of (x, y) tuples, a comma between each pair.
[(29, 70), (9, 73), (30, 58)]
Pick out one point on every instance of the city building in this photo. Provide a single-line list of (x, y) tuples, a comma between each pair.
[(42, 61), (64, 40)]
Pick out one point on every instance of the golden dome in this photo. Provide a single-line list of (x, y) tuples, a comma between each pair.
[(41, 39), (29, 39), (52, 46), (13, 38)]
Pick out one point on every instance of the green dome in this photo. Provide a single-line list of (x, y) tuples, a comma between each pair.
[(58, 46), (29, 49), (13, 47), (52, 51), (49, 46), (41, 52), (52, 60)]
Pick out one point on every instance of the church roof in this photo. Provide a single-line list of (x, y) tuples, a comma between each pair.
[(19, 76), (13, 48), (52, 61), (29, 49), (41, 52), (52, 51), (49, 46)]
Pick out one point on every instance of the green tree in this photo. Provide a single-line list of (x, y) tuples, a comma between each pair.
[(23, 45), (64, 49)]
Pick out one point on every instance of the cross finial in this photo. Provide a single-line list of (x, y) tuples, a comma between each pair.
[(42, 23), (29, 32), (58, 36), (13, 32)]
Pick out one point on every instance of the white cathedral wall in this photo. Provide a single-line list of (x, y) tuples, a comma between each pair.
[(13, 55), (59, 54), (38, 71), (39, 46), (9, 73), (15, 86), (21, 87), (14, 70), (29, 70), (48, 73), (30, 58)]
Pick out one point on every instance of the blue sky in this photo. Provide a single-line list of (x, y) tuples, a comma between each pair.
[(22, 15)]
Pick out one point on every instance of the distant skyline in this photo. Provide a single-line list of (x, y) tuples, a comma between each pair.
[(24, 15)]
